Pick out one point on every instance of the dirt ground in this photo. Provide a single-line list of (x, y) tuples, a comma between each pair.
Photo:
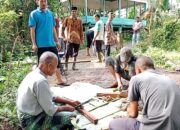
[(97, 73)]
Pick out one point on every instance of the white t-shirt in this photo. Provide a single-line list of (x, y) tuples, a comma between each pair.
[(99, 27), (60, 31), (137, 25)]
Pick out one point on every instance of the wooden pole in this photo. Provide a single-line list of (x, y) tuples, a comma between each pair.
[(86, 8), (76, 61), (104, 8), (134, 9), (127, 6), (88, 115), (119, 8)]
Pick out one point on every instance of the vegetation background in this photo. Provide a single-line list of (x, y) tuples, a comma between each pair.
[(161, 41)]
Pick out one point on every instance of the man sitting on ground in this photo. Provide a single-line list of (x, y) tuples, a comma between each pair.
[(122, 67), (35, 102), (160, 96)]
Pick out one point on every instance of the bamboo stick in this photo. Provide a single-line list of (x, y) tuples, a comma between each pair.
[(113, 95)]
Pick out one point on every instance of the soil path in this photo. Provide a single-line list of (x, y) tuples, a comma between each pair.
[(89, 72), (97, 73)]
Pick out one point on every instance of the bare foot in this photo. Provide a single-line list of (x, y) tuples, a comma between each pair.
[(114, 85)]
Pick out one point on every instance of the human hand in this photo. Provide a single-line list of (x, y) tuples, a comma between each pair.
[(76, 104), (120, 116), (58, 46), (34, 48), (66, 108), (65, 39), (93, 42), (120, 87), (82, 41)]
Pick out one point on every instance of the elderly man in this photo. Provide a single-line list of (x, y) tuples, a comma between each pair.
[(35, 103), (160, 96), (122, 67), (74, 36)]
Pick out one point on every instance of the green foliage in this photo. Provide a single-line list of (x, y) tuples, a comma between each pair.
[(13, 76), (132, 13), (7, 27), (163, 44), (162, 59), (164, 5), (167, 37), (15, 45)]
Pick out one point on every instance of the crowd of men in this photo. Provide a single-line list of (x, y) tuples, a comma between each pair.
[(39, 109)]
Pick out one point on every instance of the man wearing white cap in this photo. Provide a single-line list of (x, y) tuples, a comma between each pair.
[(122, 67)]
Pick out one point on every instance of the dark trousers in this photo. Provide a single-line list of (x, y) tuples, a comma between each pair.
[(107, 51), (99, 45), (51, 49), (89, 36), (72, 49)]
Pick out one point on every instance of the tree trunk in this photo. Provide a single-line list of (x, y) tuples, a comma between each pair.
[(3, 53)]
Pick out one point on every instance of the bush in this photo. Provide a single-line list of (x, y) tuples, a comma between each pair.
[(13, 76), (163, 45), (167, 37)]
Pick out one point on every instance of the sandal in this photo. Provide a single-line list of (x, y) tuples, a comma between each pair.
[(63, 84)]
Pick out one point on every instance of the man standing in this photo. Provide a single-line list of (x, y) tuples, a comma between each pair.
[(136, 31), (43, 33), (99, 37), (122, 67), (35, 103), (108, 35), (74, 36), (62, 42), (160, 97)]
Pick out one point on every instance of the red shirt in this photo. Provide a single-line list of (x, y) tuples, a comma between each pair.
[(57, 23)]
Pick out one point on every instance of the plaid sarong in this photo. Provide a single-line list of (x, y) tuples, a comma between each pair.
[(60, 121)]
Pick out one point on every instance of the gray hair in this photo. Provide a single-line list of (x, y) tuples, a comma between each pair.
[(144, 62), (47, 57)]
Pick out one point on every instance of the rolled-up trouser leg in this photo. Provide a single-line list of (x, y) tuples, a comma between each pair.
[(107, 50), (99, 56), (109, 61), (124, 124), (137, 37), (133, 39), (66, 62)]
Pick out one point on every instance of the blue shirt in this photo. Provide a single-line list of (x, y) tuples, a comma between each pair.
[(44, 22)]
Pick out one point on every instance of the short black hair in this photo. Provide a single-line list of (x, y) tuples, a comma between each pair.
[(137, 17), (145, 63), (97, 15), (73, 8)]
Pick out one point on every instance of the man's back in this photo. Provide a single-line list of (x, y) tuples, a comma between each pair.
[(160, 97)]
